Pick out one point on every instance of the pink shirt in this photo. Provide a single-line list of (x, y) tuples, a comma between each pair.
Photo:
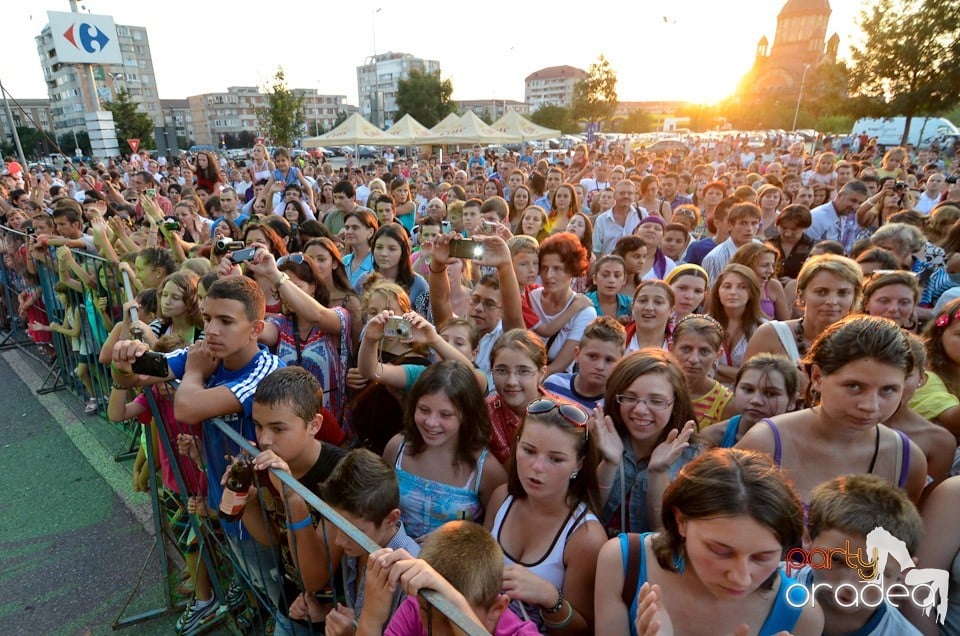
[(406, 622), (193, 477)]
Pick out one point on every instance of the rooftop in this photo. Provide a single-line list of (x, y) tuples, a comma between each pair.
[(557, 72)]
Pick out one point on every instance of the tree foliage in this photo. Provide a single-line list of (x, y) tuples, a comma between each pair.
[(909, 62), (281, 121), (68, 146), (425, 97), (556, 117), (595, 97), (638, 121), (130, 121), (33, 142)]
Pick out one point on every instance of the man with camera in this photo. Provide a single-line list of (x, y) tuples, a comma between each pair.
[(495, 304)]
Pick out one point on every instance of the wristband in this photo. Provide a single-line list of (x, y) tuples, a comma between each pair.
[(556, 608), (300, 525), (114, 368), (436, 271)]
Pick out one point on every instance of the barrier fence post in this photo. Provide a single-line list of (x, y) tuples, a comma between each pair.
[(439, 602)]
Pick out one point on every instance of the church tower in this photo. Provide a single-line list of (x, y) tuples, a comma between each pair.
[(801, 33)]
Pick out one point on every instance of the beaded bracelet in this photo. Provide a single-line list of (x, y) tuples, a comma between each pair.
[(566, 620), (556, 608)]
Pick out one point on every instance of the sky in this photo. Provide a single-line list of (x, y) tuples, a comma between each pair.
[(693, 50)]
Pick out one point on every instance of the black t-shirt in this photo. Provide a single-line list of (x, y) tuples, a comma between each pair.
[(271, 502)]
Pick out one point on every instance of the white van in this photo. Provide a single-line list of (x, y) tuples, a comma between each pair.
[(889, 132)]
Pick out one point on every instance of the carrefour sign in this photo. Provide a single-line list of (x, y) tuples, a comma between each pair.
[(81, 38)]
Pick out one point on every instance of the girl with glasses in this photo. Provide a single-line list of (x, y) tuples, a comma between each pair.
[(545, 519), (518, 364), (643, 434)]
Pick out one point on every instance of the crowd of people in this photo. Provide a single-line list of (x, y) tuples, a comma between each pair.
[(605, 395)]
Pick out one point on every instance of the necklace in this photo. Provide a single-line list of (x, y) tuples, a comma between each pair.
[(800, 338)]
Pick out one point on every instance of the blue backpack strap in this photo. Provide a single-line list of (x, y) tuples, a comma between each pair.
[(730, 434), (783, 615)]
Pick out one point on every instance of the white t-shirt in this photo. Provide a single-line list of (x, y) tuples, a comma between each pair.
[(573, 330)]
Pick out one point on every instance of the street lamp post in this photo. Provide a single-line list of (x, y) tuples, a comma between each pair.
[(803, 78)]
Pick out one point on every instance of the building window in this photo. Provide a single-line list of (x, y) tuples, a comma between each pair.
[(137, 35), (124, 31)]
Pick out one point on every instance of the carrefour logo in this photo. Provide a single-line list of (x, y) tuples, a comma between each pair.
[(91, 38)]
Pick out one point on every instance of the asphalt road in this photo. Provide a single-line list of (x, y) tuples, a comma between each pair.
[(75, 540)]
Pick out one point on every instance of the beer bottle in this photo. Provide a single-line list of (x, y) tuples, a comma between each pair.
[(237, 489)]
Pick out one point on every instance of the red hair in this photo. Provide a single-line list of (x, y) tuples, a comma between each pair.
[(572, 254)]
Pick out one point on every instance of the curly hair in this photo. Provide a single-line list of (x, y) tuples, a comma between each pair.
[(567, 247)]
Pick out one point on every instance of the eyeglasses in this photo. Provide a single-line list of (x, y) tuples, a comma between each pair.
[(296, 257), (654, 403), (570, 412), (488, 304), (522, 373), (131, 200)]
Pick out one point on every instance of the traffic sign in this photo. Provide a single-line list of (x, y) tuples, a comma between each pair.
[(134, 145)]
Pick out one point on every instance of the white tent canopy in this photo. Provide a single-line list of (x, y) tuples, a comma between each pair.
[(354, 131), (512, 123), (467, 129), (408, 131)]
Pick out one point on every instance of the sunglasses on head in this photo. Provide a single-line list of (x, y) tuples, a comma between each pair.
[(296, 257), (570, 412)]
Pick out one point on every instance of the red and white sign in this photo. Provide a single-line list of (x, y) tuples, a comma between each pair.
[(260, 140), (134, 145)]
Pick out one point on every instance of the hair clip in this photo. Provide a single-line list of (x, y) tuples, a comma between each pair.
[(945, 319)]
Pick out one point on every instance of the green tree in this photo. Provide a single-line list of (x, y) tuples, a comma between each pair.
[(67, 144), (246, 139), (638, 121), (909, 62), (556, 117), (341, 117), (595, 97), (485, 117), (282, 119), (425, 97), (33, 141), (130, 121)]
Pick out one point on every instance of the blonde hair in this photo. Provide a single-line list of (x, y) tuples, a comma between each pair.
[(456, 543), (840, 266)]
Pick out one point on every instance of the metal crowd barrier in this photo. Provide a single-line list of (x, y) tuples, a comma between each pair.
[(256, 605)]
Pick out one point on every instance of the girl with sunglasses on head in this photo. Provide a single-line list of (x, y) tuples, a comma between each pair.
[(333, 273), (307, 332), (545, 519), (643, 433)]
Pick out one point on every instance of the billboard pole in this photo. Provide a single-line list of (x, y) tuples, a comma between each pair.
[(13, 127), (86, 70)]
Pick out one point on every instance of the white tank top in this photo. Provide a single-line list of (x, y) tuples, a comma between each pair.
[(550, 567)]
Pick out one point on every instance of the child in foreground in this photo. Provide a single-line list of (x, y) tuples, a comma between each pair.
[(843, 511), (474, 590)]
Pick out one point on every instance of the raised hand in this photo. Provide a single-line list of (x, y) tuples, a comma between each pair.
[(607, 440), (671, 448)]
